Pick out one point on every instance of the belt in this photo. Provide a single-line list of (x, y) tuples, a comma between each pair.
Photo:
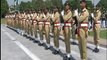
[(56, 24), (84, 25), (98, 22), (47, 23), (67, 24), (34, 21), (40, 23)]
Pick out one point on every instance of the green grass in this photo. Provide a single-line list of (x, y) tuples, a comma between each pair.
[(3, 21), (103, 34)]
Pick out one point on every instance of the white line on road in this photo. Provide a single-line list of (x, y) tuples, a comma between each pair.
[(27, 51), (12, 38), (73, 52)]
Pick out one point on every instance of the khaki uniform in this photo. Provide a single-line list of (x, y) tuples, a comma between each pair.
[(28, 24), (56, 20), (40, 25), (31, 24), (35, 26), (47, 27), (24, 22), (7, 18), (67, 29), (97, 27), (19, 22), (83, 33), (17, 18)]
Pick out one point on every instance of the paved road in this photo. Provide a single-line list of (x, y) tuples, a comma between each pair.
[(17, 47)]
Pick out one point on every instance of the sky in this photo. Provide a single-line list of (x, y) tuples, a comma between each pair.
[(11, 2)]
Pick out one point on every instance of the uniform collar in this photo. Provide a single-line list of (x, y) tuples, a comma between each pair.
[(68, 11), (84, 9), (97, 10)]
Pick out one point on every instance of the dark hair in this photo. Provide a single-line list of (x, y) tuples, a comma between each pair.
[(83, 1)]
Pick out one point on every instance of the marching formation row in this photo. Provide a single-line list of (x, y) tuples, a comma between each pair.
[(42, 22)]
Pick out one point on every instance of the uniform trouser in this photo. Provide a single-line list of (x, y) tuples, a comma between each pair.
[(35, 29), (31, 29), (20, 24), (47, 34), (17, 24), (24, 26), (82, 43), (7, 22), (56, 37), (13, 23), (41, 31), (96, 33), (67, 33), (28, 28), (73, 32)]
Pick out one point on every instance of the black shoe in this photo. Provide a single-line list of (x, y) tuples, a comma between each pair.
[(56, 52), (96, 50), (40, 44), (46, 48), (68, 58), (35, 41), (74, 43)]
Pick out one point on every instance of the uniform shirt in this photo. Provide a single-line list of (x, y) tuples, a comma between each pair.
[(56, 17), (39, 17), (28, 16), (97, 15), (34, 16), (46, 17), (67, 16), (84, 15)]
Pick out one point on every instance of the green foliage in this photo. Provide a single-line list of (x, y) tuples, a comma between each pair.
[(76, 4), (25, 6), (103, 5), (103, 34), (4, 7), (38, 4)]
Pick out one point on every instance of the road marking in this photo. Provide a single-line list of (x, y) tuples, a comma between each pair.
[(27, 51), (88, 44), (12, 38), (77, 54)]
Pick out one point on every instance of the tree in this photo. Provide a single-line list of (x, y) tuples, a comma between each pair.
[(103, 5), (39, 4), (4, 8), (25, 6)]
